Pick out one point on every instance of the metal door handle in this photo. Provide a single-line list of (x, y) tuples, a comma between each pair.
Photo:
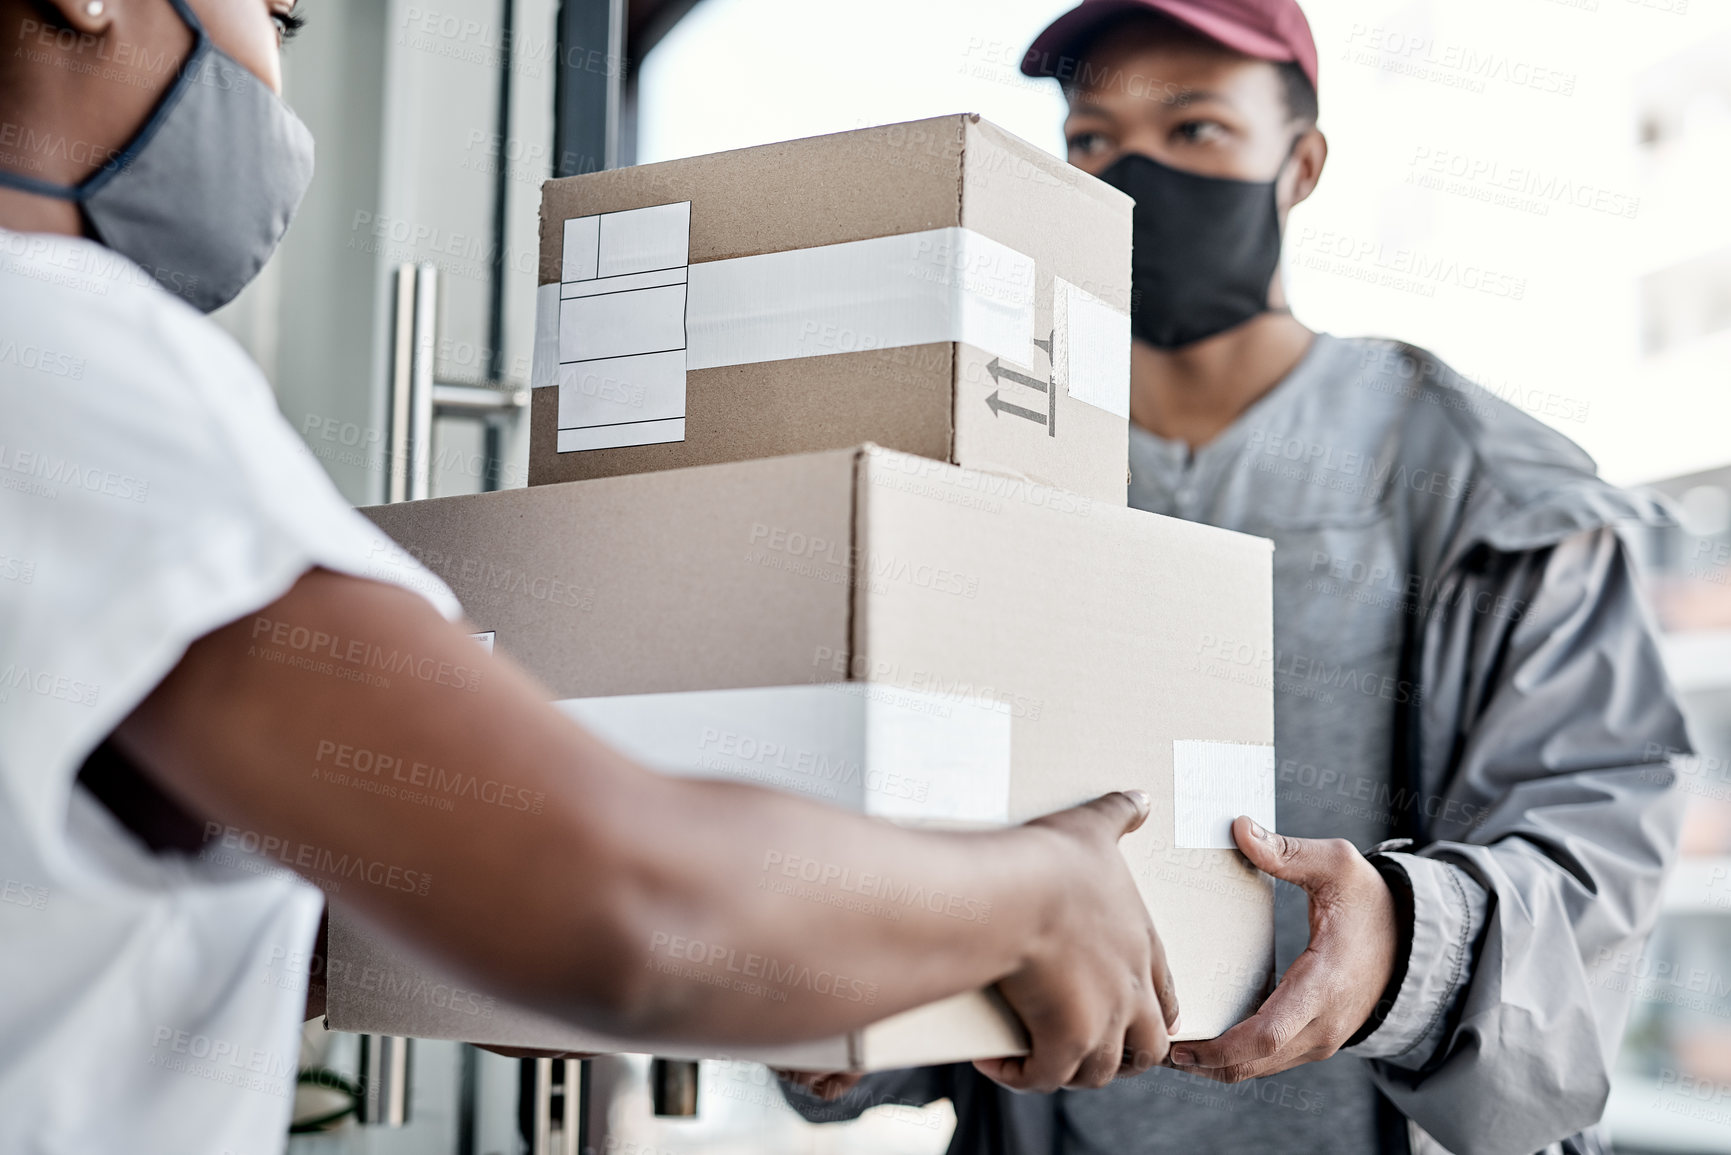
[(673, 1087), (417, 396), (386, 1068), (554, 1099)]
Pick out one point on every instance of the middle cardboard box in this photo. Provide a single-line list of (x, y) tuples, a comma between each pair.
[(883, 632)]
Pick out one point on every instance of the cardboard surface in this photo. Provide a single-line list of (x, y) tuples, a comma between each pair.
[(950, 400), (1083, 621), (651, 583)]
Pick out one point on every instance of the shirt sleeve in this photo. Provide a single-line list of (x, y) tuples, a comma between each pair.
[(1555, 821), (152, 500)]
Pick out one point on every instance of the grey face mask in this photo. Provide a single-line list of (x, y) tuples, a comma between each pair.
[(203, 194)]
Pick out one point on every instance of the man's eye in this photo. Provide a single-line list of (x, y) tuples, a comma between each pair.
[(1088, 143), (287, 24), (1200, 131)]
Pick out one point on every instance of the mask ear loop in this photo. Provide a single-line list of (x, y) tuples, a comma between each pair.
[(184, 78)]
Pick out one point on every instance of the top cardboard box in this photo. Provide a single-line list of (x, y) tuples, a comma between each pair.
[(940, 288)]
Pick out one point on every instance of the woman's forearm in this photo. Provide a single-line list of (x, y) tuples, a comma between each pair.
[(586, 886), (754, 912)]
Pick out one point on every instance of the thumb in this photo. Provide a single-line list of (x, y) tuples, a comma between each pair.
[(1124, 809), (1306, 862)]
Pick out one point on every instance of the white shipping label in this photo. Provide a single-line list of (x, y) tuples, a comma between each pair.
[(619, 333), (627, 323), (614, 436), (630, 316), (582, 248), (1215, 782), (638, 240), (622, 390), (1090, 348), (602, 285)]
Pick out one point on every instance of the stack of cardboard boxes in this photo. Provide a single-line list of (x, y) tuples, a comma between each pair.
[(827, 493)]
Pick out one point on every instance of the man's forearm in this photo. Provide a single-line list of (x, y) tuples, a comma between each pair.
[(621, 899)]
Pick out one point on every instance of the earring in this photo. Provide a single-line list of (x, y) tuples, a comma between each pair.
[(93, 9)]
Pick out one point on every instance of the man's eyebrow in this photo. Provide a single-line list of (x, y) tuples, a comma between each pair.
[(1180, 98), (1185, 97), (1088, 107)]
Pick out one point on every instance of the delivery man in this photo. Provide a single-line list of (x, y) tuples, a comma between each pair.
[(165, 538), (1467, 689)]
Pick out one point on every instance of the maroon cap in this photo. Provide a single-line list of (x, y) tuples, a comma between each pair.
[(1266, 29)]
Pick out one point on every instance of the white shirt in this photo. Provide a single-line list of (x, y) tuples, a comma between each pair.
[(149, 492)]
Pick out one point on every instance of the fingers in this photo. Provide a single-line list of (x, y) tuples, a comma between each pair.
[(1302, 1050), (1050, 1067), (535, 1053), (1274, 1064), (1045, 1072), (1100, 1067), (1260, 1044), (1312, 863), (1145, 1045), (1165, 990), (1013, 1073), (826, 1085), (834, 1086), (1097, 968), (1124, 809), (1054, 1062), (1250, 1043)]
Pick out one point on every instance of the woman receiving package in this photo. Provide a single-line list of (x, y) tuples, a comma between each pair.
[(157, 515)]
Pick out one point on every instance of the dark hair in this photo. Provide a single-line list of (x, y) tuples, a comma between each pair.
[(1300, 93)]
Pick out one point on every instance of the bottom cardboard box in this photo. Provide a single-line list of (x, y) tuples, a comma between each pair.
[(890, 634)]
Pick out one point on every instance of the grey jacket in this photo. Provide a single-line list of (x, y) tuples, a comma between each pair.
[(1464, 561)]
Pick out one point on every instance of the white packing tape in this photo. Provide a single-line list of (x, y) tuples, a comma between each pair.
[(630, 318), (544, 359), (874, 749), (912, 289), (1215, 782), (1090, 348), (891, 752)]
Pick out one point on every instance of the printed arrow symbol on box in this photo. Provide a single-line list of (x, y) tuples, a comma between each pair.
[(1014, 410), (999, 373)]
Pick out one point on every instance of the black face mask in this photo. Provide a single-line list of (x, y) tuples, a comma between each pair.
[(1205, 250)]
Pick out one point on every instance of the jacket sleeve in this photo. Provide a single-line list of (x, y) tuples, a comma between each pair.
[(1551, 816)]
